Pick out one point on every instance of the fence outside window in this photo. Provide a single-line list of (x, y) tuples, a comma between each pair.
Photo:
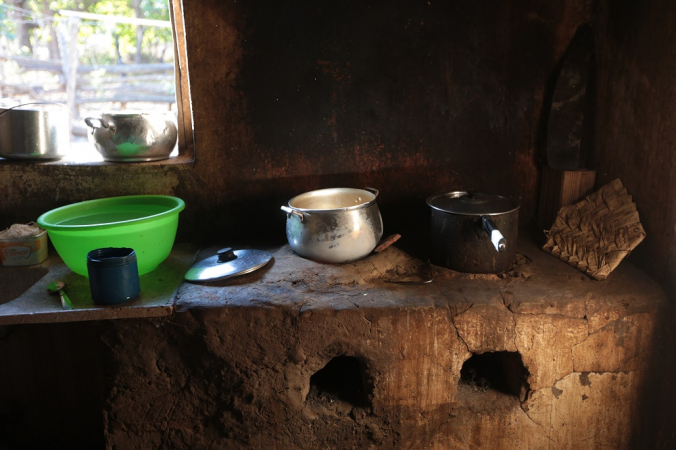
[(91, 62)]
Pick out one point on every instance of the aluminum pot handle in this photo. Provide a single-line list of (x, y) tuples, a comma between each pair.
[(102, 123), (374, 191), (295, 212), (498, 240)]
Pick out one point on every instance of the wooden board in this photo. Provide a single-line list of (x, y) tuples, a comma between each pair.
[(559, 188)]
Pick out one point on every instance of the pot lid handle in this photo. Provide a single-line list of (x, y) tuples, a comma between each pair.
[(225, 255)]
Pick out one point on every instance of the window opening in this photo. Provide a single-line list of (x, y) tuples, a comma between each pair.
[(112, 56)]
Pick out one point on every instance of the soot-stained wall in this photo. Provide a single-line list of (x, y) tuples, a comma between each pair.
[(635, 141), (413, 98), (636, 124)]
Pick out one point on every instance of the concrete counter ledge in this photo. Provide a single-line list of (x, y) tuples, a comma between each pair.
[(36, 305)]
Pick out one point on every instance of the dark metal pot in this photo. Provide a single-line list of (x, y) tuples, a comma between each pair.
[(473, 232)]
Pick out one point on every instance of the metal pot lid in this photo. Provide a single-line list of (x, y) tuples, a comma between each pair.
[(227, 263), (472, 203)]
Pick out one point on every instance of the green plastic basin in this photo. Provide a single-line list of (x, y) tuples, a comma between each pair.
[(146, 223)]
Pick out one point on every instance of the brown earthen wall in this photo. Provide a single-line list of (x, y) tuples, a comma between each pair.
[(636, 122), (636, 141), (233, 367), (413, 98), (410, 97)]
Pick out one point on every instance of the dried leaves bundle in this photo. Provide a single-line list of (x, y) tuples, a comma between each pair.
[(596, 233)]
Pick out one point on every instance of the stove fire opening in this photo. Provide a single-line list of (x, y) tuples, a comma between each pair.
[(501, 372), (342, 380)]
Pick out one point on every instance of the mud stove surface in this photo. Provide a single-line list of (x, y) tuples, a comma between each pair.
[(306, 355)]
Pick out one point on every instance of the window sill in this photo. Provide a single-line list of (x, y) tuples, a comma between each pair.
[(83, 154), (181, 161)]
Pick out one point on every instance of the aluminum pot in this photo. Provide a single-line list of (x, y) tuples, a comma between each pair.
[(473, 232), (335, 225), (133, 137), (39, 130)]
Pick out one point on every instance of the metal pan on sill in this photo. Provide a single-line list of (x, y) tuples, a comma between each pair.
[(133, 137), (35, 131)]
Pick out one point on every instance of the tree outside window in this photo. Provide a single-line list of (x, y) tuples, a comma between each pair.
[(95, 56)]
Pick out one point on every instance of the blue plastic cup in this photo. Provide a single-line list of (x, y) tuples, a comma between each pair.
[(113, 275)]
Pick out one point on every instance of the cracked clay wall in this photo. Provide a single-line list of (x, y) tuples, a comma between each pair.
[(233, 367), (235, 387)]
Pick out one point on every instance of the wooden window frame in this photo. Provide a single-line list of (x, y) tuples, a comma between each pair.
[(186, 142)]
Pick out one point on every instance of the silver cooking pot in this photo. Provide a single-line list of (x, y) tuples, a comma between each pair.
[(335, 225), (39, 130), (133, 137)]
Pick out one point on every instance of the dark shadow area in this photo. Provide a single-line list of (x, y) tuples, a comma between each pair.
[(502, 372), (17, 280), (50, 386), (342, 379), (655, 425)]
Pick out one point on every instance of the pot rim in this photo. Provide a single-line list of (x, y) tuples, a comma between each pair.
[(329, 191), (137, 113), (43, 108), (458, 194)]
